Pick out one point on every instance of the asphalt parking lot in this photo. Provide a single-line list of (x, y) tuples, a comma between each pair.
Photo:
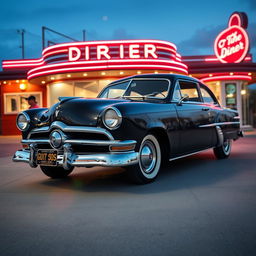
[(197, 206)]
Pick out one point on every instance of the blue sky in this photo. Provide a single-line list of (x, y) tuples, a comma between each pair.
[(191, 25)]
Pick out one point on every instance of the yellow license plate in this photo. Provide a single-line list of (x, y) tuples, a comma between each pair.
[(47, 157)]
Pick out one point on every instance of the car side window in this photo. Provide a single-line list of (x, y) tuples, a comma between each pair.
[(207, 97), (186, 89)]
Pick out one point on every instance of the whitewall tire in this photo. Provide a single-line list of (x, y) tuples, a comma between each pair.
[(149, 161), (224, 150)]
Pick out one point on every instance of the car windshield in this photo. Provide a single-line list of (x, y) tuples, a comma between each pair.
[(138, 88)]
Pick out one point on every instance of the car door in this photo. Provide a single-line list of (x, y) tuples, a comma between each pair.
[(214, 111), (192, 114)]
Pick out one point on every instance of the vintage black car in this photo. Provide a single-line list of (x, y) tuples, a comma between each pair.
[(137, 122)]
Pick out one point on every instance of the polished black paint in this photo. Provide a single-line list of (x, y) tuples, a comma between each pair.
[(176, 125)]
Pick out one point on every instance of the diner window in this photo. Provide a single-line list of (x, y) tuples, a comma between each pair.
[(207, 97), (114, 91), (16, 102), (87, 89)]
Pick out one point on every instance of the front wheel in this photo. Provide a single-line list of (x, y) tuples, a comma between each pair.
[(55, 172), (149, 161), (224, 150)]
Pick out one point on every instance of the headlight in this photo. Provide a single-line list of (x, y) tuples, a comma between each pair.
[(112, 118), (23, 121)]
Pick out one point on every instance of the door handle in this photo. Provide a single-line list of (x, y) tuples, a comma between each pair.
[(205, 109)]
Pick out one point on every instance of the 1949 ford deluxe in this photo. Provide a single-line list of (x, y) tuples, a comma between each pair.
[(137, 122)]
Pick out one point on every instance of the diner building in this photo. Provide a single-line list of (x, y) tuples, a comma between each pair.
[(84, 68)]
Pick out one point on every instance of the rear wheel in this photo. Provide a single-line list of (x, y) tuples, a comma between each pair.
[(224, 150), (149, 161), (55, 172)]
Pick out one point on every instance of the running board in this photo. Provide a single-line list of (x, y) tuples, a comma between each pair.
[(175, 158)]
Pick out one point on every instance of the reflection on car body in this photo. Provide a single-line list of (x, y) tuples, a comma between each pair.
[(137, 122)]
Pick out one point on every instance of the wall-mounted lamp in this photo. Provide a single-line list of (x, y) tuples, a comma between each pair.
[(23, 86)]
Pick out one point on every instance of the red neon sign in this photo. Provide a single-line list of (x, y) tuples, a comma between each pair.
[(131, 51), (102, 55), (220, 77), (232, 44)]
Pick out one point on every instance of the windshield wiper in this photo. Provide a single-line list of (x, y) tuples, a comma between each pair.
[(147, 96)]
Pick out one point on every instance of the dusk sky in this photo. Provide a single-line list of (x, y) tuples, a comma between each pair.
[(191, 25)]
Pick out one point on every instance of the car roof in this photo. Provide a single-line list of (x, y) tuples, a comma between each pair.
[(163, 75)]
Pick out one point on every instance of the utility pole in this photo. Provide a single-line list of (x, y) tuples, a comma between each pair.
[(22, 32), (84, 34)]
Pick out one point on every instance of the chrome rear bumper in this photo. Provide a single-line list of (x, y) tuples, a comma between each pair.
[(69, 158)]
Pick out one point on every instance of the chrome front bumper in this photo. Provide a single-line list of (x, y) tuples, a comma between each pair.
[(68, 158), (121, 153)]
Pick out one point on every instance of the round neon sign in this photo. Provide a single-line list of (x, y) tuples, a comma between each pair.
[(232, 44)]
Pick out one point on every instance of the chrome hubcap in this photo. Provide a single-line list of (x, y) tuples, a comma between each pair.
[(226, 146), (148, 157)]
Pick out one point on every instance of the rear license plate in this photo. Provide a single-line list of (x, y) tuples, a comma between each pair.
[(47, 157)]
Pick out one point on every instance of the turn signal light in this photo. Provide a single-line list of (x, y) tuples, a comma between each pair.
[(25, 146), (121, 148)]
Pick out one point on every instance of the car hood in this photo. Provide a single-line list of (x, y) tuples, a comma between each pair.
[(81, 111)]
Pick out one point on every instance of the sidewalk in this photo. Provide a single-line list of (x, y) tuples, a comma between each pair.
[(13, 139), (250, 133)]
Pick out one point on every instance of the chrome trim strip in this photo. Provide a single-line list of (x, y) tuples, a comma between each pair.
[(66, 128), (175, 158), (85, 142), (218, 124), (102, 142), (237, 117), (39, 141)]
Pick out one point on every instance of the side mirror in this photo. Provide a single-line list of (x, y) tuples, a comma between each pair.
[(184, 98)]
